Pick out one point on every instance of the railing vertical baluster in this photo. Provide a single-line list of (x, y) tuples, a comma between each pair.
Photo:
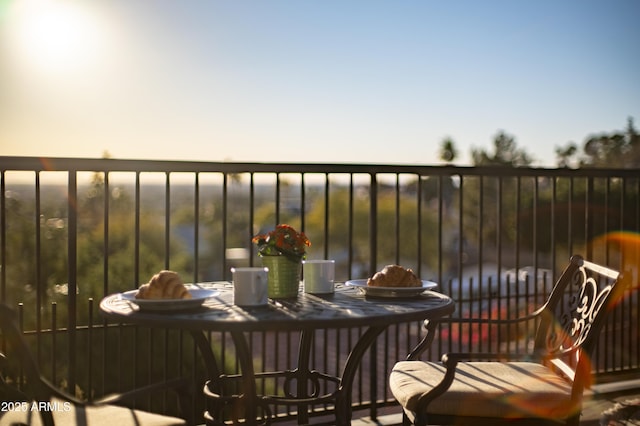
[(350, 340), (440, 221), (105, 272), (397, 219), (553, 225), (136, 271), (588, 218), (634, 299), (499, 230), (303, 203), (196, 228), (54, 342), (278, 189), (3, 245), (40, 285), (21, 325), (120, 357), (570, 214), (343, 336), (481, 239), (350, 226), (167, 251), (534, 236), (460, 231), (460, 335), (373, 224), (167, 220), (3, 236), (289, 358), (277, 355), (636, 254), (373, 379), (387, 360), (527, 304), (518, 236), (90, 349), (606, 217), (326, 338), (627, 316), (72, 285), (105, 231), (252, 220), (419, 224), (607, 337), (460, 246), (136, 247), (326, 216), (622, 209), (225, 221)]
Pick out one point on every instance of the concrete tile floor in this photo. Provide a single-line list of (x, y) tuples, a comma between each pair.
[(603, 398)]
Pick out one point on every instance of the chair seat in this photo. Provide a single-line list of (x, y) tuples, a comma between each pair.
[(68, 414), (485, 389)]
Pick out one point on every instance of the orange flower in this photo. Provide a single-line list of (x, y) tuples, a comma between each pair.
[(284, 240)]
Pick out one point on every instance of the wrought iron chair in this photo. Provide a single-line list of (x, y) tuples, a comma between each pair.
[(543, 386), (37, 402)]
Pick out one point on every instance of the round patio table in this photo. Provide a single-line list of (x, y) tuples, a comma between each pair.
[(347, 307)]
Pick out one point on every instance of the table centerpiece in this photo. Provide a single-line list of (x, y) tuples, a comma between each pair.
[(282, 251)]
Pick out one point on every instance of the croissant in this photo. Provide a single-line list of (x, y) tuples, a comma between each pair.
[(394, 276), (163, 285)]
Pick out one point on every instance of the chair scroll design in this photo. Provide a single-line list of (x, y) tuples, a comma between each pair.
[(573, 313), (584, 307), (552, 375)]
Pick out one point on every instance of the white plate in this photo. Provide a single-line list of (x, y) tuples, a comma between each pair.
[(391, 291), (198, 296)]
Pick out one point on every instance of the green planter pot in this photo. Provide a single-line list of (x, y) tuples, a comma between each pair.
[(284, 276)]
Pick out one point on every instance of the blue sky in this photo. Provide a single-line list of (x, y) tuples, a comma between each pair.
[(312, 81)]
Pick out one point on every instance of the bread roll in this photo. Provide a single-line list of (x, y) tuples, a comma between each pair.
[(394, 276), (163, 285)]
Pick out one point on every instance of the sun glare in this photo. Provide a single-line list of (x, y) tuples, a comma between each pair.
[(54, 35)]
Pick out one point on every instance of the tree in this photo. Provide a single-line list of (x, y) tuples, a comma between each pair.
[(619, 149), (564, 155), (496, 219), (633, 144), (505, 153), (448, 151)]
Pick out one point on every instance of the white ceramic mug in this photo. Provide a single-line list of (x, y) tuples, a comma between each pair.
[(250, 286), (318, 276)]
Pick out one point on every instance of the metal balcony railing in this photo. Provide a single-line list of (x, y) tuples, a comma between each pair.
[(75, 230)]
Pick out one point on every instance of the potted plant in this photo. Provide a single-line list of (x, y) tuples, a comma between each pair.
[(282, 250)]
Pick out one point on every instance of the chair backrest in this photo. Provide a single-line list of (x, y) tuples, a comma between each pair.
[(574, 315), (19, 359)]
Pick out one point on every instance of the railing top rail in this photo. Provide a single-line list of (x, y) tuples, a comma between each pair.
[(40, 164)]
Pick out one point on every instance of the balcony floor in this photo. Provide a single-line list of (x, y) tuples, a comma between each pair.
[(606, 396)]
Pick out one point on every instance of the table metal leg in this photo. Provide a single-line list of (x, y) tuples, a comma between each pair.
[(343, 397), (304, 359), (209, 359), (249, 399), (250, 403), (214, 409), (246, 404)]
